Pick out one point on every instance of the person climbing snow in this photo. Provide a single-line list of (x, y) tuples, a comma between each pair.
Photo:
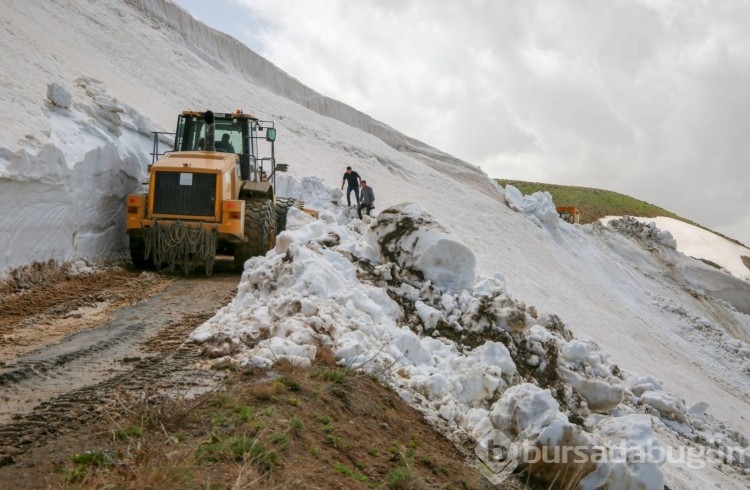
[(368, 199), (352, 179)]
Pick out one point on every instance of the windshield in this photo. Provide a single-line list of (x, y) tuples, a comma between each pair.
[(191, 134)]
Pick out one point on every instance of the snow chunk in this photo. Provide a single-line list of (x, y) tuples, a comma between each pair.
[(410, 237), (633, 455), (524, 410), (429, 315), (667, 404), (600, 395), (59, 95), (514, 197), (496, 354), (646, 233), (538, 207), (642, 384), (576, 351), (408, 347)]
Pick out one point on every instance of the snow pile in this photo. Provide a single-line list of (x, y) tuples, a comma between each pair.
[(538, 207), (455, 346), (697, 276), (703, 244), (647, 233)]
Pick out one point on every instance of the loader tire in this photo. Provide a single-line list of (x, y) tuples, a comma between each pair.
[(138, 253), (260, 231), (282, 206)]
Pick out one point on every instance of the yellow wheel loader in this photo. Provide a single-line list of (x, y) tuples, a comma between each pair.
[(212, 194), (571, 214)]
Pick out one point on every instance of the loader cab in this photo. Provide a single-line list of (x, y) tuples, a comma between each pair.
[(191, 132), (251, 139)]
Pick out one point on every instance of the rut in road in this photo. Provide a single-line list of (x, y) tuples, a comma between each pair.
[(61, 385)]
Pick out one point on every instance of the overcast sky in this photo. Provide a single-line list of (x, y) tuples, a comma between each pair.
[(650, 98)]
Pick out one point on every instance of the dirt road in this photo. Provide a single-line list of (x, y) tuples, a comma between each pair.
[(71, 343)]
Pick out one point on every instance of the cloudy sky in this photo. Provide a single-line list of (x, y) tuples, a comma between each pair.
[(650, 98)]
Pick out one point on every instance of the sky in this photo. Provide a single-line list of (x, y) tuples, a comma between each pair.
[(648, 98), (76, 142)]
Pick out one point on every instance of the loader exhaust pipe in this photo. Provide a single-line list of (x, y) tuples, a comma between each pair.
[(210, 144)]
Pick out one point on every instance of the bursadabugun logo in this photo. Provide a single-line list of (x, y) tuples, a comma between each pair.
[(498, 456)]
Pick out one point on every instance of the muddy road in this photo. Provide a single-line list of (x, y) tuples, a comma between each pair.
[(73, 344)]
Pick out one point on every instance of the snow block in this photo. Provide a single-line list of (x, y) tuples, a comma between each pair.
[(524, 411), (514, 198), (633, 455), (59, 95), (668, 405), (409, 236), (600, 395)]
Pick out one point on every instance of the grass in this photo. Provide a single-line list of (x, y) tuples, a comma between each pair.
[(296, 424), (344, 470), (128, 432), (343, 430), (399, 477), (90, 458), (594, 204)]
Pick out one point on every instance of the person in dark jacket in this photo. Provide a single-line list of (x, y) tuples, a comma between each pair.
[(225, 145), (368, 199), (352, 179)]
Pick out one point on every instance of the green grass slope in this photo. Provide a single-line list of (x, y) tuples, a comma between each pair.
[(594, 204)]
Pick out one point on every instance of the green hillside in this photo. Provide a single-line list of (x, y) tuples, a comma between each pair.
[(594, 204)]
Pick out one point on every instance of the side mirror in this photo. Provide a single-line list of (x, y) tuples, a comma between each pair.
[(271, 134), (282, 167)]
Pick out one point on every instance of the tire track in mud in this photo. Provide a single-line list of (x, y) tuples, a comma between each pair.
[(67, 384)]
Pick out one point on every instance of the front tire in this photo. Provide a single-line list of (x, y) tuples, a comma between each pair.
[(260, 231), (282, 206)]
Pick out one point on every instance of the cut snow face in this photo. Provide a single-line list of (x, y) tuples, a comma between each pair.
[(397, 296), (67, 194)]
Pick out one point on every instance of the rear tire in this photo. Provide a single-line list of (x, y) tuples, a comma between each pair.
[(138, 253), (260, 231)]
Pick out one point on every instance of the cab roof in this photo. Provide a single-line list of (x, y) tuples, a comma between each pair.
[(222, 115)]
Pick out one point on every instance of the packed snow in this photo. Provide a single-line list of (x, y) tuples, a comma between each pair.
[(476, 303)]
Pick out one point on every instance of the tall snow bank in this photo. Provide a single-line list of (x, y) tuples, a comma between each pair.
[(68, 194)]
